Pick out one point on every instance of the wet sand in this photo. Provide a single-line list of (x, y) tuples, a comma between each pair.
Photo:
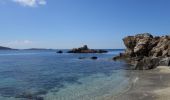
[(147, 85)]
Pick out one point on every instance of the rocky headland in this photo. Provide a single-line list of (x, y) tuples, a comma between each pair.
[(85, 49), (146, 51)]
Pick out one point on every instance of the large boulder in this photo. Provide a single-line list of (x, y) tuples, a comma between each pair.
[(138, 45), (147, 63), (165, 61), (146, 50), (147, 45), (152, 62)]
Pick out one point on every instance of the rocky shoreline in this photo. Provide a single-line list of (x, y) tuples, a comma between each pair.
[(145, 51)]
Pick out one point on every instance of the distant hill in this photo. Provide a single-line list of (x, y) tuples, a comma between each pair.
[(5, 48), (8, 48), (38, 49)]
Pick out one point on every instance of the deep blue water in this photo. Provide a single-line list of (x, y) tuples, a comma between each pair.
[(31, 74)]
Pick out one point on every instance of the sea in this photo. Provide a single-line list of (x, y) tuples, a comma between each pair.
[(47, 75)]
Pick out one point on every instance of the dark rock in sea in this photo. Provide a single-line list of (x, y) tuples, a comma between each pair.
[(59, 51), (94, 58), (85, 49), (146, 51)]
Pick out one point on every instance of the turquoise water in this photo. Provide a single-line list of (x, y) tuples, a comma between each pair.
[(46, 75)]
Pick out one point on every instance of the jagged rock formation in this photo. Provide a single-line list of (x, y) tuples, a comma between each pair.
[(85, 49), (146, 51)]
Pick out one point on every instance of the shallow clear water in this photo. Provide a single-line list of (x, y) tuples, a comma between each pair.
[(47, 75)]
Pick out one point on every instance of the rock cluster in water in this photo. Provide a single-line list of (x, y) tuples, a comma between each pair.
[(85, 49), (146, 51)]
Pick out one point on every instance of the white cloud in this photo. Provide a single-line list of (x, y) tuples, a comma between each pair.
[(30, 3)]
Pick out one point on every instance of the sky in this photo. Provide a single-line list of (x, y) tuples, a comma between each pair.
[(66, 24)]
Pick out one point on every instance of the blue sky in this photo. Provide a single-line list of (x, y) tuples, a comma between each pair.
[(72, 23)]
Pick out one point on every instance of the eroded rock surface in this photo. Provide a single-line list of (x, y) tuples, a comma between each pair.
[(146, 51)]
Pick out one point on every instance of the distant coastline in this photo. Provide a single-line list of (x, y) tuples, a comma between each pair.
[(6, 48), (9, 48)]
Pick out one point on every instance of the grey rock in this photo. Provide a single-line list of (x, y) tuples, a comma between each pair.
[(147, 63)]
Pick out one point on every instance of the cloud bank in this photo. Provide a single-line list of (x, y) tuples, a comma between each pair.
[(30, 3)]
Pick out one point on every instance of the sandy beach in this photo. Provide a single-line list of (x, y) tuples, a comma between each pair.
[(148, 85), (163, 93)]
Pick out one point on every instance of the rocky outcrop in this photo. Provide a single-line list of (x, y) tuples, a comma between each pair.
[(85, 49), (146, 51)]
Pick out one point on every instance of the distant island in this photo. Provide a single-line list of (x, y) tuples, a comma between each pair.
[(38, 49), (85, 49), (8, 48)]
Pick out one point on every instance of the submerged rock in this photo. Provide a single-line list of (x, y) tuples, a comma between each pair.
[(85, 49), (146, 50), (82, 58), (94, 58)]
